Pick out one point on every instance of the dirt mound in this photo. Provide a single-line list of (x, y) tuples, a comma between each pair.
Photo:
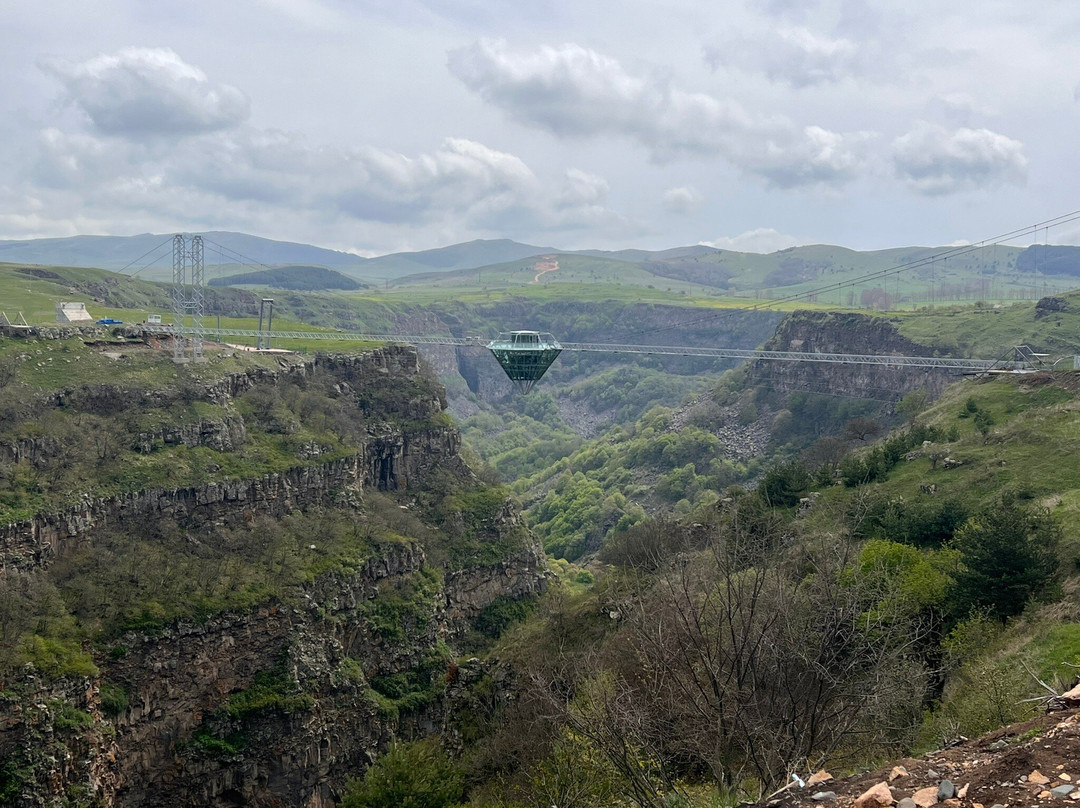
[(1029, 764)]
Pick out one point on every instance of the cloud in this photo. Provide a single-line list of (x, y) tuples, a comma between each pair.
[(761, 240), (683, 200), (573, 91), (248, 174), (582, 188), (936, 161), (231, 174), (794, 56), (140, 92)]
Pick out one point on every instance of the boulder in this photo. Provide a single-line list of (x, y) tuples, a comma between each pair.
[(925, 797), (876, 796)]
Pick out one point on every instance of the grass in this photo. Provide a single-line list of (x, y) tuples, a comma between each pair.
[(988, 332)]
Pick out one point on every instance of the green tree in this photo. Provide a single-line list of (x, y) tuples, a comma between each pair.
[(1007, 555), (416, 775), (783, 483)]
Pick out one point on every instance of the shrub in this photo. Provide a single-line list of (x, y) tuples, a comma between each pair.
[(417, 775), (114, 699)]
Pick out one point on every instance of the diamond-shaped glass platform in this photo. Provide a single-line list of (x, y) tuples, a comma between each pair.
[(525, 356)]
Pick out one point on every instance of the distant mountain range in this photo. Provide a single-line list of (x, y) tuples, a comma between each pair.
[(231, 258), (151, 256)]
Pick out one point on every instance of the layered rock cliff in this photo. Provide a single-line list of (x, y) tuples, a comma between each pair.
[(840, 332), (391, 551)]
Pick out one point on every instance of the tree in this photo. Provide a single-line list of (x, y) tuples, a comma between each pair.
[(783, 483), (913, 404), (861, 429), (1007, 555), (732, 662)]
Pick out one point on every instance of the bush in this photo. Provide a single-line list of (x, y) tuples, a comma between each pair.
[(504, 611), (417, 775), (114, 699)]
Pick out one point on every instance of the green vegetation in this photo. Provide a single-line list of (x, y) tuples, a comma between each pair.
[(296, 278), (403, 604), (417, 775), (397, 694), (114, 699), (271, 690)]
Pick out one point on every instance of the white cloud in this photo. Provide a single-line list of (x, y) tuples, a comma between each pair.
[(795, 56), (760, 240), (936, 161), (139, 92), (682, 200), (573, 91), (236, 177), (583, 188)]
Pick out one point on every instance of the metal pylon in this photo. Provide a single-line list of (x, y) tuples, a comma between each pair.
[(188, 297), (196, 297), (179, 296)]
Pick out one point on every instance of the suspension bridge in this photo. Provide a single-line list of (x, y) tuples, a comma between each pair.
[(526, 355)]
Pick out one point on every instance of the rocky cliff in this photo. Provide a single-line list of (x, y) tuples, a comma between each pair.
[(397, 550), (826, 332)]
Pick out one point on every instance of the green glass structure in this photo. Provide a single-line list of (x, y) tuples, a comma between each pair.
[(525, 356)]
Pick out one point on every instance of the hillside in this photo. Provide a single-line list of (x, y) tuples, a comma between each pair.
[(295, 278), (118, 252), (914, 277)]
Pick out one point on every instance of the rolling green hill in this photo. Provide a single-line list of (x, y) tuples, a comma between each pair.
[(296, 278)]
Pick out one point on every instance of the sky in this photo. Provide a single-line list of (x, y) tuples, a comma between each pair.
[(390, 125)]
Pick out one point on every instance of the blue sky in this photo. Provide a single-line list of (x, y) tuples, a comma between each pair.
[(385, 126)]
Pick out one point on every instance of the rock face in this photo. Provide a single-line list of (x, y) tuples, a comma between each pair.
[(389, 459), (281, 703), (827, 332)]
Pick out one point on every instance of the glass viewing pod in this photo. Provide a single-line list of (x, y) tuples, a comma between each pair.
[(525, 356)]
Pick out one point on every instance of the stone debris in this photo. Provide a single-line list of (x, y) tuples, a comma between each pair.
[(818, 777), (946, 790), (876, 796), (1003, 769), (925, 797), (824, 796)]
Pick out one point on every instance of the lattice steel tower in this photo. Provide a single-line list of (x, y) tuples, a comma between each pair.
[(188, 297)]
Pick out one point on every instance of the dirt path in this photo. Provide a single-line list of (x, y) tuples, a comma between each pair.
[(547, 264)]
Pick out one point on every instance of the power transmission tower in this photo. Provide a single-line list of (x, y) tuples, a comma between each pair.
[(188, 297)]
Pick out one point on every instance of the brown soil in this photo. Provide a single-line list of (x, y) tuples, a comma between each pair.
[(995, 768)]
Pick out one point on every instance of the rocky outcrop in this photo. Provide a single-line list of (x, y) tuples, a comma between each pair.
[(220, 434), (184, 714), (403, 440), (834, 332)]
